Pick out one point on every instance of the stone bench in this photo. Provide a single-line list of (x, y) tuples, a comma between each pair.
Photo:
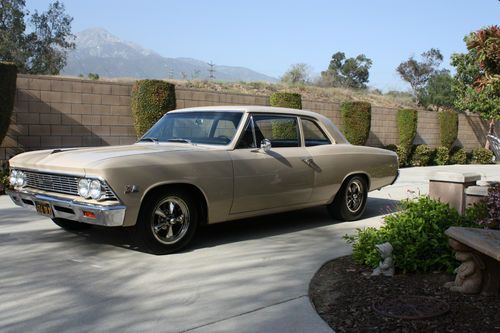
[(479, 252)]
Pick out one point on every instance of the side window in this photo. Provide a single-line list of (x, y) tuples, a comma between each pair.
[(313, 135), (282, 131)]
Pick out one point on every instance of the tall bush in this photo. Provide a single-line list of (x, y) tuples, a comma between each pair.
[(150, 100), (356, 118), (286, 100), (8, 76), (407, 127), (448, 123)]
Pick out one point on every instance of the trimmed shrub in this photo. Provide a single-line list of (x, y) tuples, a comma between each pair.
[(356, 118), (150, 100), (482, 156), (458, 156), (403, 155), (407, 126), (422, 155), (442, 156), (286, 100), (448, 123), (8, 76), (416, 234)]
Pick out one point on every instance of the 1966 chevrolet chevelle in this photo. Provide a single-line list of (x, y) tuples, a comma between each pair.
[(203, 165)]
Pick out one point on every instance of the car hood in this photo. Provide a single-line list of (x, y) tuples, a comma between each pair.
[(76, 160)]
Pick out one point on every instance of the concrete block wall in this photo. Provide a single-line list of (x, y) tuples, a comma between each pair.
[(54, 112)]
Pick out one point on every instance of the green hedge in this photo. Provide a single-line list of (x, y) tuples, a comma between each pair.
[(150, 100), (442, 156), (417, 235), (458, 156), (448, 123), (422, 155), (286, 100), (356, 119), (407, 126), (8, 76), (482, 156), (404, 154)]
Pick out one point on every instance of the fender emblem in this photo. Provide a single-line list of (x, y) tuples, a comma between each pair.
[(131, 189)]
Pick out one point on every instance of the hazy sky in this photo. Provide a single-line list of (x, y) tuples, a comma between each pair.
[(269, 36)]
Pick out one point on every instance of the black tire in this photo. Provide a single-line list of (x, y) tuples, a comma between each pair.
[(350, 201), (167, 222), (71, 225)]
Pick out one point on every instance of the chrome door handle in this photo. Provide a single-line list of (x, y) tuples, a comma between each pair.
[(310, 162), (307, 160)]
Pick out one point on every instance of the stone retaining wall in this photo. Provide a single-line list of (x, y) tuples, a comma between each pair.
[(52, 112)]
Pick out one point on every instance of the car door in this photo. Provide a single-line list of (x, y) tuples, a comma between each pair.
[(275, 178)]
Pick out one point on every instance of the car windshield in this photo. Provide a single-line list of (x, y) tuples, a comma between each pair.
[(205, 127)]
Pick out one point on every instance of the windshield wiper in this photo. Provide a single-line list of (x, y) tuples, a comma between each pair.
[(155, 140), (180, 140)]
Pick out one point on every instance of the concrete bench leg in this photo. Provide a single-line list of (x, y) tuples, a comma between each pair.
[(491, 277)]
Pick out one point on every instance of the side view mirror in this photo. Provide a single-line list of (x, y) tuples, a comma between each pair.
[(265, 145)]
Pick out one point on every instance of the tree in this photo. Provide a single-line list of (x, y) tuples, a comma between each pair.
[(438, 91), (417, 73), (43, 50), (349, 73), (477, 79), (297, 74)]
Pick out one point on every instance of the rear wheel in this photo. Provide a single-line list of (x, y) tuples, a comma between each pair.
[(71, 225), (167, 222), (350, 201)]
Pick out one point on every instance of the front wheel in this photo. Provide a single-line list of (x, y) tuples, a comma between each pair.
[(71, 225), (350, 201), (167, 222)]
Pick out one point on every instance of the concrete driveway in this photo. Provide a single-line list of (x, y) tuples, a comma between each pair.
[(244, 276)]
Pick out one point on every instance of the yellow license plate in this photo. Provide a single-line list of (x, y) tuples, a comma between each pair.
[(43, 208)]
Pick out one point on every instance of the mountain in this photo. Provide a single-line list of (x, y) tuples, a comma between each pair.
[(98, 51)]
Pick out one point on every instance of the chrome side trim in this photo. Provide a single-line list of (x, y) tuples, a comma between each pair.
[(106, 215)]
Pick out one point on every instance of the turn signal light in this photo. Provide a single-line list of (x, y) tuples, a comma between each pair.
[(90, 215)]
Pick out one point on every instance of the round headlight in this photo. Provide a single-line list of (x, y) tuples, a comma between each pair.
[(84, 188), (95, 189), (20, 179), (13, 178)]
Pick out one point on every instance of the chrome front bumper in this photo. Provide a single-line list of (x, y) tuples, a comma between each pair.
[(105, 215)]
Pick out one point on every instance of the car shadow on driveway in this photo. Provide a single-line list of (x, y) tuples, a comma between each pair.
[(245, 229)]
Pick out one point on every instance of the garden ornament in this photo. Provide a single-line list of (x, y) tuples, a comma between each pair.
[(386, 265), (469, 274)]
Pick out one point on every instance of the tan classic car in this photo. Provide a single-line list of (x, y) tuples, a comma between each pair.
[(200, 166)]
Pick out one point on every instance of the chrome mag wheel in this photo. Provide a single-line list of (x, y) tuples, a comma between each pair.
[(355, 195), (170, 220)]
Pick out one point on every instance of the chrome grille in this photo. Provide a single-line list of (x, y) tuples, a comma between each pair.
[(60, 184)]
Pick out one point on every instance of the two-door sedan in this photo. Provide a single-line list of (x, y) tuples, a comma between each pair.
[(201, 166)]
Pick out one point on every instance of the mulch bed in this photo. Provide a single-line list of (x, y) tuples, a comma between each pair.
[(343, 293)]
